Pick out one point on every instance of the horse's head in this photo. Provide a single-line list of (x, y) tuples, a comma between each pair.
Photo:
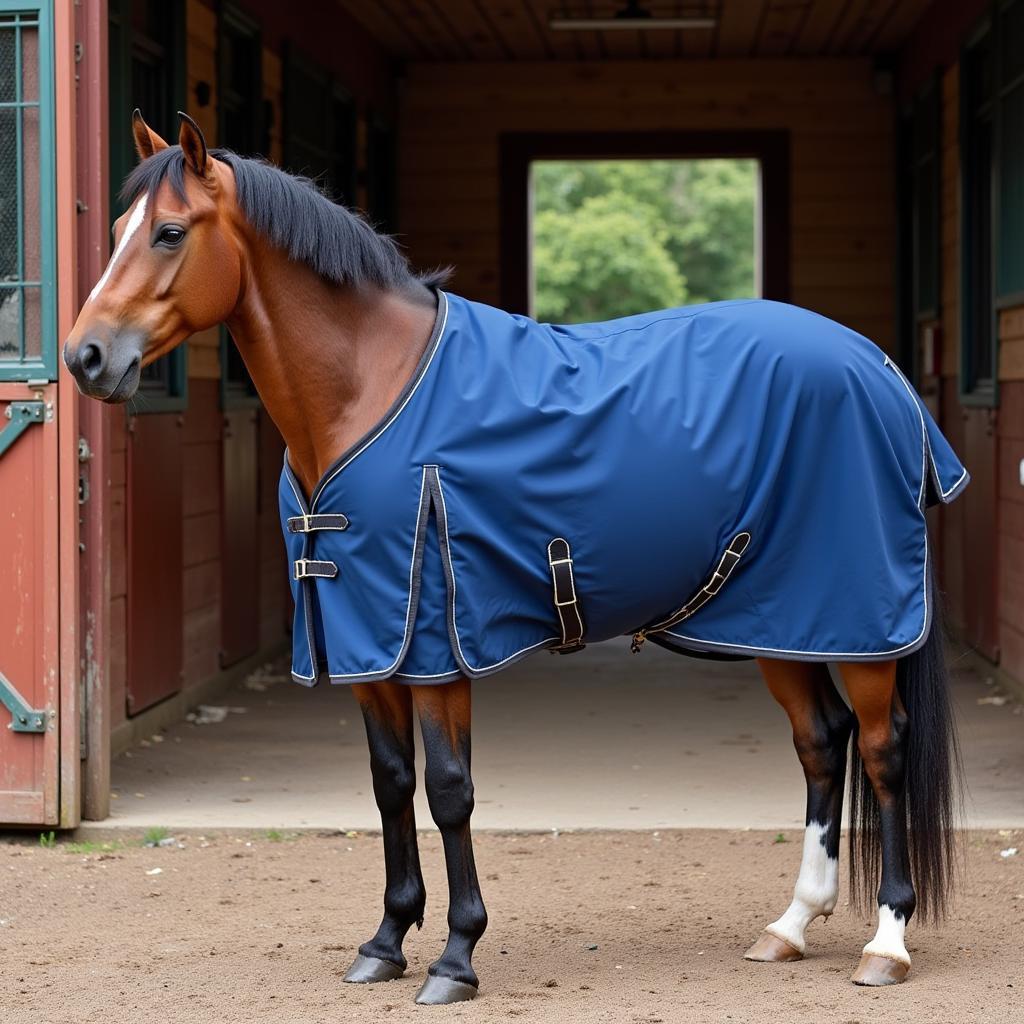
[(175, 269)]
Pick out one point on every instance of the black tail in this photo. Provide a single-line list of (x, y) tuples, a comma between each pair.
[(934, 787)]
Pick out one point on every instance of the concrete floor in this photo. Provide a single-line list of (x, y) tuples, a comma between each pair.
[(600, 739)]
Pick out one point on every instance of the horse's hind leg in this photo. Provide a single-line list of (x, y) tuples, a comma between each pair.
[(444, 712), (821, 731), (882, 742), (387, 713)]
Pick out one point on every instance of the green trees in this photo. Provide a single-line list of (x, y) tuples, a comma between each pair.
[(614, 237)]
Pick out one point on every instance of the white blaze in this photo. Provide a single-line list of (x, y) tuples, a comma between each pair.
[(815, 893), (888, 940), (137, 217)]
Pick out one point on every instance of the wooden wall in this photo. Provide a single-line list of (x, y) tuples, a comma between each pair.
[(957, 543), (344, 49), (841, 133)]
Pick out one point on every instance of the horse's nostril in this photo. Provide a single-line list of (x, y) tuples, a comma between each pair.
[(92, 359)]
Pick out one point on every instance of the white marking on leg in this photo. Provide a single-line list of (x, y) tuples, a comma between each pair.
[(815, 892), (137, 217), (888, 940)]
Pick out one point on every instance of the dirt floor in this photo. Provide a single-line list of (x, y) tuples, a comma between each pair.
[(644, 927)]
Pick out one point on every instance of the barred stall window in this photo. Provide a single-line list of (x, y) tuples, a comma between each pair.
[(27, 313)]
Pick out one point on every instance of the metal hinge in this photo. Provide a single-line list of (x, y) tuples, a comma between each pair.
[(84, 456), (24, 718), (21, 415)]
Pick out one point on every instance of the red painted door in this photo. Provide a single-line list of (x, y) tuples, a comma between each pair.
[(156, 644), (38, 452), (29, 605), (981, 534)]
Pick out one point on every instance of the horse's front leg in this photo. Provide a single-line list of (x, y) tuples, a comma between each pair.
[(387, 713), (821, 731), (444, 712)]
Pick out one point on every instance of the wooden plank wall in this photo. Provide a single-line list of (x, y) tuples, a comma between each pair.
[(841, 133), (951, 517), (202, 433), (956, 543)]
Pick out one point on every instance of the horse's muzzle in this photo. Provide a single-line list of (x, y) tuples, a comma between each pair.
[(108, 371)]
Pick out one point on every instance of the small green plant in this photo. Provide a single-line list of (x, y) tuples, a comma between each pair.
[(90, 846), (47, 840), (780, 837), (153, 836), (274, 836)]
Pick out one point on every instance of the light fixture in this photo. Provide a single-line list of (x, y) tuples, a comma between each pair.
[(632, 16)]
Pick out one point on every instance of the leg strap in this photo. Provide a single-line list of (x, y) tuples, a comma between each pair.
[(566, 600), (726, 564)]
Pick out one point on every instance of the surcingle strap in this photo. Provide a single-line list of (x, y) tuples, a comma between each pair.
[(308, 524), (726, 564), (566, 600)]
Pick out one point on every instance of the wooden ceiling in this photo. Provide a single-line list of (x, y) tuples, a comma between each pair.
[(469, 30)]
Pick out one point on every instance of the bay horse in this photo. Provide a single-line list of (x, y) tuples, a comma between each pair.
[(333, 326)]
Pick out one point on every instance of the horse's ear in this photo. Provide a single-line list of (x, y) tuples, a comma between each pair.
[(193, 145), (147, 142)]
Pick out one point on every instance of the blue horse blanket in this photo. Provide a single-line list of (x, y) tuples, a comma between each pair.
[(754, 466)]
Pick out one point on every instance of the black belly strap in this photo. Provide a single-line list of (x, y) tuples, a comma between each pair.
[(567, 602)]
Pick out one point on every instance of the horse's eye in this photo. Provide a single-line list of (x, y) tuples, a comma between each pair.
[(170, 235)]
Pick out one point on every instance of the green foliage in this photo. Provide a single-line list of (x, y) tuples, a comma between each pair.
[(615, 237), (154, 835), (87, 846), (47, 840)]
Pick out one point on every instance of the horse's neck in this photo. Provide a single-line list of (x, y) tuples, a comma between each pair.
[(327, 362)]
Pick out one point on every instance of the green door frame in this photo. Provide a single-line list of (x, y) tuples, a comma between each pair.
[(16, 15)]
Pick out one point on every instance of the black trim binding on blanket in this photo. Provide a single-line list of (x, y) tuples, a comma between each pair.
[(567, 603)]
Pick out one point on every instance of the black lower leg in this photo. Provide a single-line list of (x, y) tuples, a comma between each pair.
[(883, 761), (821, 739), (883, 730), (389, 730), (449, 786)]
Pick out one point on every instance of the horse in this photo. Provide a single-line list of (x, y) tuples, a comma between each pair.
[(336, 330)]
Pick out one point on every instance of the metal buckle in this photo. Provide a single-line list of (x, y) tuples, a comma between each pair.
[(299, 568)]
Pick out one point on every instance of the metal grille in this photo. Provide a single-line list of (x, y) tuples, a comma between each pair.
[(21, 182)]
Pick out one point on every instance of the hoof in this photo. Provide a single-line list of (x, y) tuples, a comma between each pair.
[(438, 991), (367, 969), (770, 949), (879, 970)]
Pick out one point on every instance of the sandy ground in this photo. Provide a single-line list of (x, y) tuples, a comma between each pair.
[(601, 739), (634, 927)]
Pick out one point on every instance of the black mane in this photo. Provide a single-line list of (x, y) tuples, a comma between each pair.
[(295, 215)]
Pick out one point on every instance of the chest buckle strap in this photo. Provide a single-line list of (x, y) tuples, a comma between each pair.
[(714, 583), (308, 524), (310, 568), (566, 600)]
